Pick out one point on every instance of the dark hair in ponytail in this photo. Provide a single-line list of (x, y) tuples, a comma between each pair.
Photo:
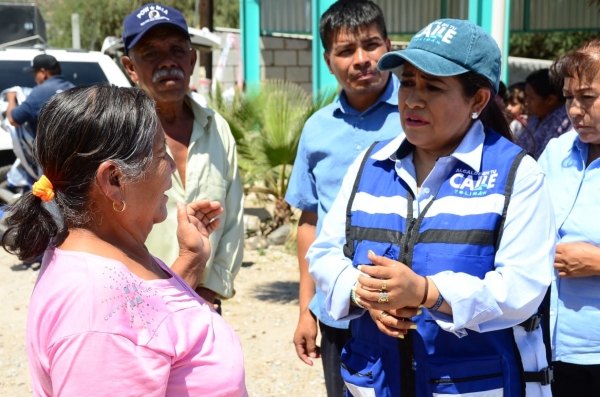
[(77, 131), (491, 116)]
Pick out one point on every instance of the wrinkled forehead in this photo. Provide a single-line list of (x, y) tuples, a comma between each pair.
[(587, 81)]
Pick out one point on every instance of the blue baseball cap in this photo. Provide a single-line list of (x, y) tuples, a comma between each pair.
[(148, 16), (449, 47)]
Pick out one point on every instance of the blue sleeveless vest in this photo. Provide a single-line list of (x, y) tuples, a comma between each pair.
[(459, 230)]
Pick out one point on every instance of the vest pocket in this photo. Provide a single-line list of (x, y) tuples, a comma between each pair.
[(386, 250), (362, 369), (481, 377), (474, 265)]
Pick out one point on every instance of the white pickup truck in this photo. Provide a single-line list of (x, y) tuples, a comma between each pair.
[(79, 67)]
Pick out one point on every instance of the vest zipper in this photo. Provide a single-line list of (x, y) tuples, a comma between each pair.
[(356, 373), (407, 239), (405, 346), (440, 381)]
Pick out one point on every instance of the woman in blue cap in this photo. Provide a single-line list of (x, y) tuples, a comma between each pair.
[(439, 247)]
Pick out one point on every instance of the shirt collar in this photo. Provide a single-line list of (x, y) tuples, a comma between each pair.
[(203, 116), (389, 95), (578, 144), (469, 151)]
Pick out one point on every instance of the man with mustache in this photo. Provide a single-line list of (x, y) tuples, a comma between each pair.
[(159, 58), (354, 37)]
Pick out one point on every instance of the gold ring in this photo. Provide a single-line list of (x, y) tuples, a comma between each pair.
[(384, 286), (382, 315), (383, 297)]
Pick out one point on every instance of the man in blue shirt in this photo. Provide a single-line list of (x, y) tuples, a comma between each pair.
[(47, 74), (354, 37)]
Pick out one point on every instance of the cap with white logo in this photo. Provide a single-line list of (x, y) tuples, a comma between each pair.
[(138, 23), (449, 47)]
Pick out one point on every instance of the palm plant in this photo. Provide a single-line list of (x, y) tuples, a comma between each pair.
[(267, 124)]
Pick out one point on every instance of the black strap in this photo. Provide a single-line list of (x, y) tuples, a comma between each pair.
[(546, 325), (408, 376), (510, 182), (533, 322), (545, 376), (349, 247)]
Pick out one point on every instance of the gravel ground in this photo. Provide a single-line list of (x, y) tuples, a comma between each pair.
[(263, 313)]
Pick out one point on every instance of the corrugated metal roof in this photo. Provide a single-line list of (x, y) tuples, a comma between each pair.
[(408, 16), (286, 16)]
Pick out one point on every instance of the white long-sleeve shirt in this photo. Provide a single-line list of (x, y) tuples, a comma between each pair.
[(505, 297)]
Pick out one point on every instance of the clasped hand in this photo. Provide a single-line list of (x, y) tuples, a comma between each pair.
[(577, 259), (403, 287)]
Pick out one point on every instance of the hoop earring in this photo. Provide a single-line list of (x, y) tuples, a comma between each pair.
[(474, 115), (122, 209)]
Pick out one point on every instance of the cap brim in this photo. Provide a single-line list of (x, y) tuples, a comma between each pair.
[(429, 63), (160, 23)]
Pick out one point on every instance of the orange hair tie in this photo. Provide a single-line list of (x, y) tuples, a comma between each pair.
[(43, 189)]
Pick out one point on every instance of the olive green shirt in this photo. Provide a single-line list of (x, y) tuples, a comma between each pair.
[(211, 173)]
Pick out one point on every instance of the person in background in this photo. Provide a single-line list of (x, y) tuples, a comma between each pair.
[(106, 317), (440, 242), (547, 118), (47, 74), (515, 105), (354, 37), (159, 59), (572, 166)]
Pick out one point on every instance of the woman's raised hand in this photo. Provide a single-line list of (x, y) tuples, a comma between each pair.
[(195, 222)]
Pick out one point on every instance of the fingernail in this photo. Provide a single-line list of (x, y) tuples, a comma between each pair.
[(359, 267), (419, 312), (414, 326), (354, 288), (401, 336), (357, 299), (371, 252)]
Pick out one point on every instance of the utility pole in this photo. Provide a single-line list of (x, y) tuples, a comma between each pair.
[(206, 21)]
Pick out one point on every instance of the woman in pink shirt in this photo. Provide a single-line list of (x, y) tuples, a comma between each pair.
[(106, 318)]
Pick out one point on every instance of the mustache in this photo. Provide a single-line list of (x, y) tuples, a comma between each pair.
[(366, 71), (166, 73)]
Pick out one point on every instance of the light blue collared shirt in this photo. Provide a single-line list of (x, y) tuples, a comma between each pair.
[(331, 139), (575, 303), (505, 297)]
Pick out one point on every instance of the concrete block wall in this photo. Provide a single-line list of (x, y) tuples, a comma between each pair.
[(282, 58), (290, 58)]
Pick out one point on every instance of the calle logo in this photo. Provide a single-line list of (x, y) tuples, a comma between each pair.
[(437, 31), (469, 183)]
